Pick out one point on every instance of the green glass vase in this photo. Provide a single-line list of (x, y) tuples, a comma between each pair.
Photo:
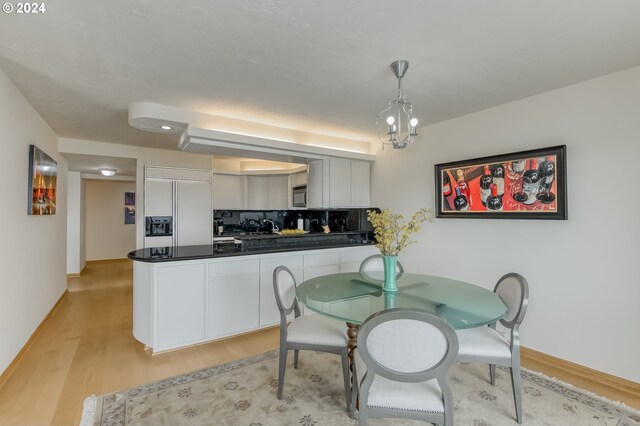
[(390, 268)]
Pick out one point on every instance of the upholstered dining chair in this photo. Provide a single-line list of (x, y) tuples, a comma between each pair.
[(312, 332), (487, 345), (375, 263), (401, 364)]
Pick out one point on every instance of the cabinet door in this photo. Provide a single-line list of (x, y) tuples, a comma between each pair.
[(180, 305), (350, 259), (227, 192), (233, 305), (315, 184), (360, 183), (277, 192), (269, 313), (194, 214), (158, 198), (257, 192), (339, 182), (299, 179)]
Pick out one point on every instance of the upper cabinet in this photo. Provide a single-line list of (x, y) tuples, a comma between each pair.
[(236, 192), (228, 192), (338, 182)]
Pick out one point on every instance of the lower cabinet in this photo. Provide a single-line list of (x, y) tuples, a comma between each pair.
[(180, 308), (233, 305), (177, 304)]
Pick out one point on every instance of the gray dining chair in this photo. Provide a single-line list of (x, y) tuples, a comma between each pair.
[(311, 332), (403, 357), (487, 345), (375, 263)]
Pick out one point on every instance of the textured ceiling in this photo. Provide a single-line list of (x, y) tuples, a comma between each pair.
[(318, 66)]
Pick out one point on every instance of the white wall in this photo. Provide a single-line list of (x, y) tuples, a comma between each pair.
[(144, 157), (33, 251), (75, 223), (107, 237), (582, 272)]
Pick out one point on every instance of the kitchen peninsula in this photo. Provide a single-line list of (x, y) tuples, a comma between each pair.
[(187, 295)]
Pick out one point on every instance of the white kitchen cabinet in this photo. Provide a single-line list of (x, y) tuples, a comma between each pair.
[(360, 183), (180, 308), (350, 260), (338, 182), (267, 192), (228, 192), (315, 184), (233, 296), (257, 192), (298, 179), (233, 305), (277, 192), (181, 303)]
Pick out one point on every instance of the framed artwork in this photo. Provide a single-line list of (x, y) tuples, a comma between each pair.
[(129, 208), (520, 185), (43, 179)]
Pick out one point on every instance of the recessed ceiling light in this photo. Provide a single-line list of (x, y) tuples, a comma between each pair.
[(165, 127), (107, 172)]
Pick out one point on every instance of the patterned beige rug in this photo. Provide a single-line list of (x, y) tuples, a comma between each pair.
[(244, 393)]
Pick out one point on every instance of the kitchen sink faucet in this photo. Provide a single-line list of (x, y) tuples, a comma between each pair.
[(274, 227)]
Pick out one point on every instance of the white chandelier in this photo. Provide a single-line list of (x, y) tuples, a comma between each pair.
[(396, 123)]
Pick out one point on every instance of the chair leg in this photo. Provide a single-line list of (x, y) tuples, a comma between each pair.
[(345, 377), (492, 374), (362, 413), (515, 384), (295, 358), (281, 369)]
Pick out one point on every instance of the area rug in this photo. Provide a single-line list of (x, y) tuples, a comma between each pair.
[(244, 393)]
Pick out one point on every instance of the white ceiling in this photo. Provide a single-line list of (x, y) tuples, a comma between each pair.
[(92, 164), (318, 66)]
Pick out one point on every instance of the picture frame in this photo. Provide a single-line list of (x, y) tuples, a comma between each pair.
[(520, 185), (129, 208), (43, 180)]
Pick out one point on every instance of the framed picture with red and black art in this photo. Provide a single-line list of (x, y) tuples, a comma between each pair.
[(520, 185)]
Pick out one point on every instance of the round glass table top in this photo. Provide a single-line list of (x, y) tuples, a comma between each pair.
[(353, 297)]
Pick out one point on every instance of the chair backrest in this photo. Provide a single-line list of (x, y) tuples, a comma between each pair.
[(284, 287), (375, 263), (407, 345), (514, 292)]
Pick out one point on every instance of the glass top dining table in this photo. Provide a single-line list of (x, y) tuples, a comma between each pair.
[(352, 297)]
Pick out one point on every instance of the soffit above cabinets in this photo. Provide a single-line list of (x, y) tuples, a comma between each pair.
[(207, 134)]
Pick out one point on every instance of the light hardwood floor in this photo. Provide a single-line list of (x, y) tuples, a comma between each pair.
[(86, 347)]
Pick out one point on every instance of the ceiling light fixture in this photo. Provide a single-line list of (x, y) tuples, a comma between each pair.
[(396, 121), (165, 127), (107, 172)]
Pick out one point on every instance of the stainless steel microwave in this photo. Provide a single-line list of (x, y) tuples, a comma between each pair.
[(299, 196)]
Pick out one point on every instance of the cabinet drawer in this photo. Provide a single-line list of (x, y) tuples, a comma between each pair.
[(321, 259), (229, 268), (270, 263)]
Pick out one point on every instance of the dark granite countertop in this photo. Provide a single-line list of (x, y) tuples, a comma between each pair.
[(251, 246)]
